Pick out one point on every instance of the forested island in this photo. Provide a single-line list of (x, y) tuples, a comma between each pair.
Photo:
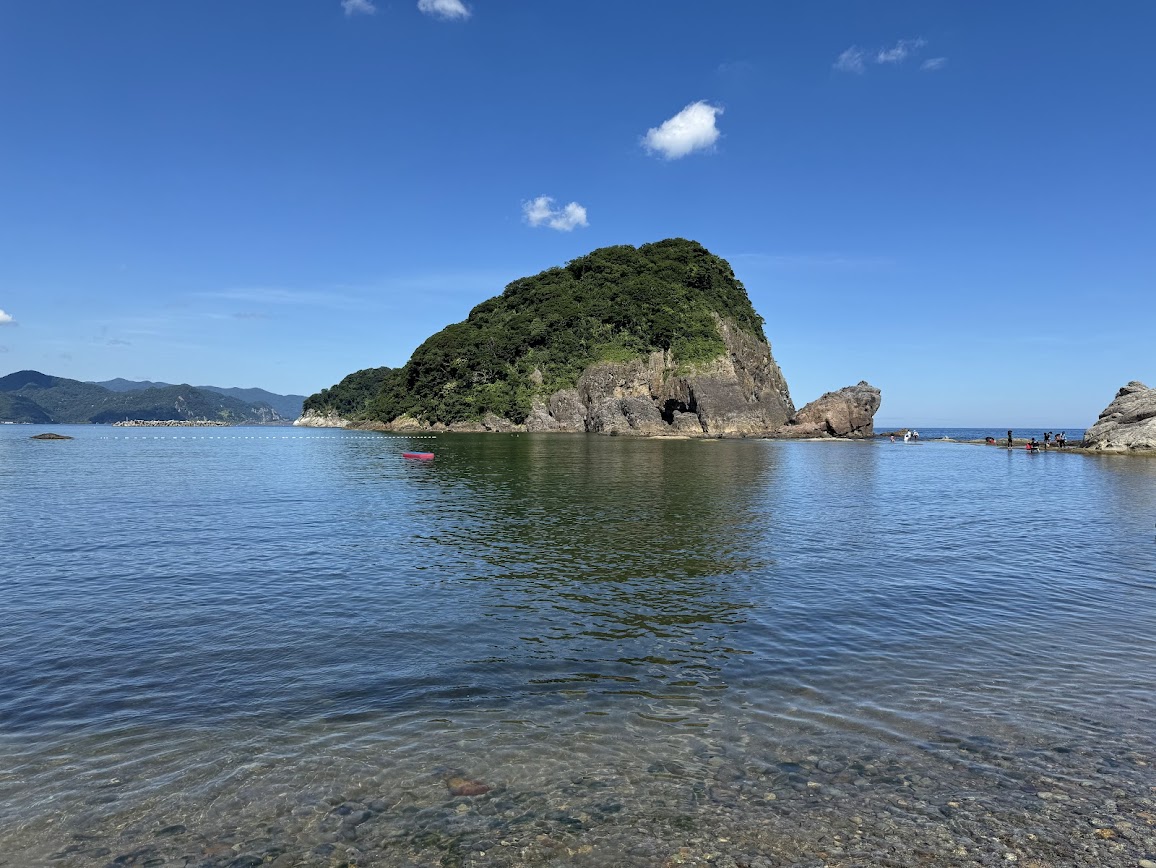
[(657, 339)]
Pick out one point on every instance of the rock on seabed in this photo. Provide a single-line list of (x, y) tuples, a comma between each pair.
[(1128, 423)]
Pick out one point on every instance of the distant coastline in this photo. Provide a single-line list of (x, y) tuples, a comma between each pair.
[(170, 423)]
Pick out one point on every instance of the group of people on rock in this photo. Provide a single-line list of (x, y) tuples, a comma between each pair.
[(1050, 439)]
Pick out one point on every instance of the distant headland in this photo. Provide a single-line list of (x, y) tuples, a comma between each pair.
[(36, 398)]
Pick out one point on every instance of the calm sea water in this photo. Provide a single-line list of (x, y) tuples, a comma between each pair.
[(290, 646), (1074, 433)]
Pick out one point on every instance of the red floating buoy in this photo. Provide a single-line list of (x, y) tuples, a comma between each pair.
[(420, 456)]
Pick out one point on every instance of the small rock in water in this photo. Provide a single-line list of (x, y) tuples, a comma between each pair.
[(466, 787), (50, 436)]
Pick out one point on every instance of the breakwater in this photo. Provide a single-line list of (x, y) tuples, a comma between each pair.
[(169, 423)]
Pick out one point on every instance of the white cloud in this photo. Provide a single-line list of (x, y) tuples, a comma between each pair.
[(899, 53), (6, 319), (541, 212), (450, 10), (851, 60), (358, 7), (692, 129), (933, 63)]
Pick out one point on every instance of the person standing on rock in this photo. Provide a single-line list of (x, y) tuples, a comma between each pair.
[(1009, 440), (1047, 437)]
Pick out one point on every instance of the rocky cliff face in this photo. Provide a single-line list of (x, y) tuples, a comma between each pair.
[(314, 419), (850, 412), (741, 393), (266, 415), (1129, 422)]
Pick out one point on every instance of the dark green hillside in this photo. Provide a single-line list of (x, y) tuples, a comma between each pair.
[(172, 402), (17, 408), (614, 304), (30, 379), (30, 396), (286, 406), (120, 384), (352, 394)]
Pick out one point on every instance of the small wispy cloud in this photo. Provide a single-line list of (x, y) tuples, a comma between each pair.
[(117, 342), (736, 69), (900, 52), (3, 349), (358, 7), (856, 59), (276, 295), (6, 319), (933, 63), (851, 60), (692, 129), (541, 212), (250, 315), (447, 10)]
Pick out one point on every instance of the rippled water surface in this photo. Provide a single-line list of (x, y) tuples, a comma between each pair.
[(295, 647)]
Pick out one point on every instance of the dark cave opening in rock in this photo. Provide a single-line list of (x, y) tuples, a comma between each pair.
[(673, 406)]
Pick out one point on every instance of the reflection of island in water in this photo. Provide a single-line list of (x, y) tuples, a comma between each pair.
[(604, 560)]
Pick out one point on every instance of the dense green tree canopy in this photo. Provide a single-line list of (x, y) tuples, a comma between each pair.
[(614, 304)]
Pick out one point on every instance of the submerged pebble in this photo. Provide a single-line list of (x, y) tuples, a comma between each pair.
[(466, 787)]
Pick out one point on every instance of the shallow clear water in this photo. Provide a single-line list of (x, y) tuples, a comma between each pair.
[(286, 644)]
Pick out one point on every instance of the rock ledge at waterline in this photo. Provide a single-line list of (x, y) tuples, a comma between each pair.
[(1127, 424), (317, 419)]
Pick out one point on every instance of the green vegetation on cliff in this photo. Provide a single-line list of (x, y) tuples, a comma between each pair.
[(353, 394), (614, 304)]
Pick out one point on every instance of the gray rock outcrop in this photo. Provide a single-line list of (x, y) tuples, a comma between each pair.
[(740, 393), (1129, 422), (850, 412), (563, 411), (313, 419)]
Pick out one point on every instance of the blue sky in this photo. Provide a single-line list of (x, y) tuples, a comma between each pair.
[(954, 201)]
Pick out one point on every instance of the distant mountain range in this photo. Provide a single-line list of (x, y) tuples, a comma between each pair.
[(30, 396), (287, 406)]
